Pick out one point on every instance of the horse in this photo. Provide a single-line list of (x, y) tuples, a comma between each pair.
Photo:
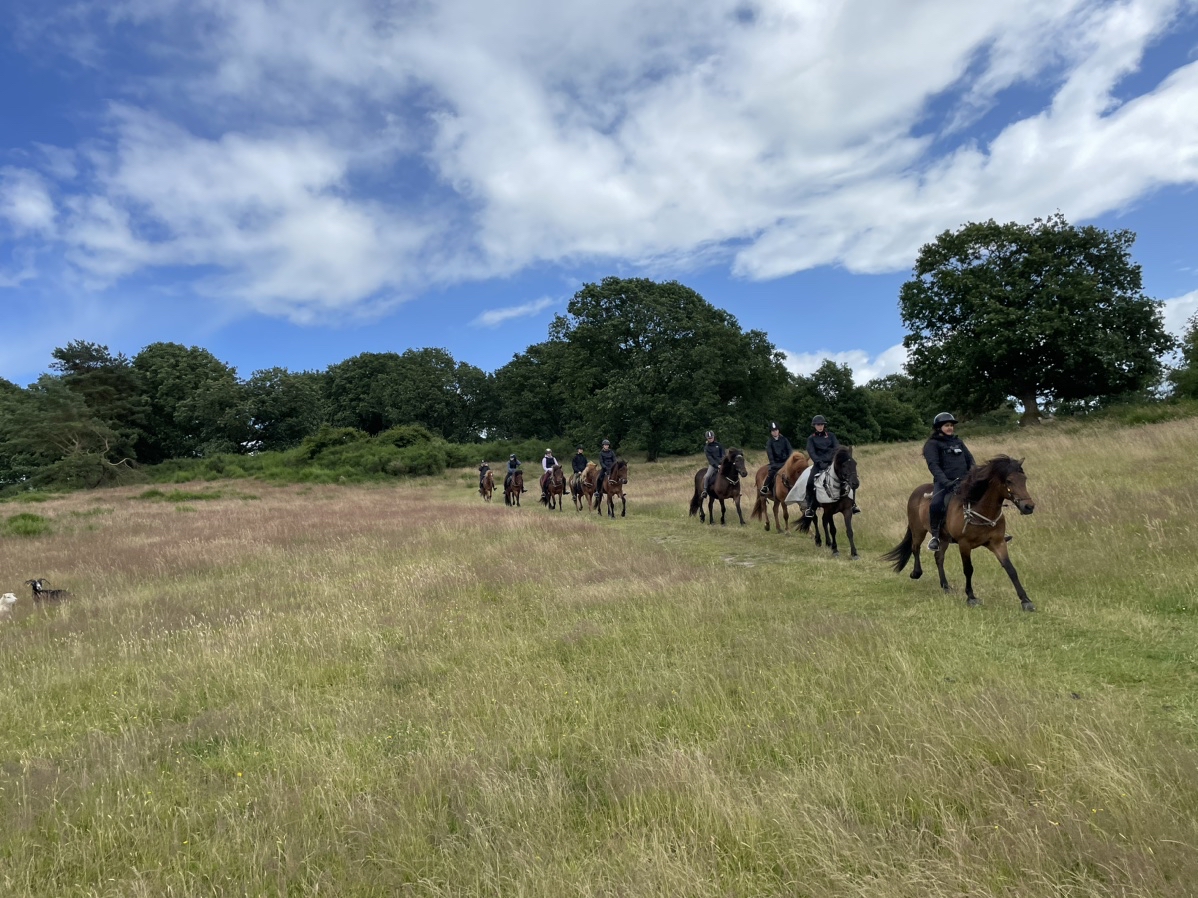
[(726, 486), (788, 476), (843, 479), (553, 488), (613, 485), (974, 518), (513, 488), (488, 487), (582, 487)]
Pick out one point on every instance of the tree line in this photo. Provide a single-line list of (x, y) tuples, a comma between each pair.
[(1045, 315)]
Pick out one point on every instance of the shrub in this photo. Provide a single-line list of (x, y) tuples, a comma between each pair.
[(25, 524)]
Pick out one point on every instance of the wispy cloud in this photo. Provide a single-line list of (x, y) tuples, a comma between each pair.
[(1178, 312), (865, 367), (496, 317)]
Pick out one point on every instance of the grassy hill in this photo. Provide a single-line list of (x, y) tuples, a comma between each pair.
[(399, 690)]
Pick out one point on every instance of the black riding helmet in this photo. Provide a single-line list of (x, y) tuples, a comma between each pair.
[(607, 442), (943, 418), (512, 457), (819, 419)]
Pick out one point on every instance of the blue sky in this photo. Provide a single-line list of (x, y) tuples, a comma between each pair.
[(292, 183)]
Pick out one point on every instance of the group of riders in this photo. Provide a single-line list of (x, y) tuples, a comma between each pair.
[(948, 459), (607, 462)]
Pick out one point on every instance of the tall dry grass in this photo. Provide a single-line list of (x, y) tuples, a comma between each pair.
[(381, 691)]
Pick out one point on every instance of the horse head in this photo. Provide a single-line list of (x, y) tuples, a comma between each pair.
[(620, 471), (1017, 491), (734, 459), (1001, 473), (846, 467)]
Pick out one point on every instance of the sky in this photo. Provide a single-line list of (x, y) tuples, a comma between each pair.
[(292, 182)]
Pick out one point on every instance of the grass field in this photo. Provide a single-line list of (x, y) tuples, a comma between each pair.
[(262, 690)]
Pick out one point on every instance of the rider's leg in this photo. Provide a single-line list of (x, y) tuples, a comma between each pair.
[(810, 511), (936, 518), (709, 481)]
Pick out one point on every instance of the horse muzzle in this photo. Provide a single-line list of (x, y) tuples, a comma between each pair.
[(1027, 506)]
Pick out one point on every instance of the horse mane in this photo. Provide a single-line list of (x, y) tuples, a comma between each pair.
[(591, 466), (977, 481), (730, 456)]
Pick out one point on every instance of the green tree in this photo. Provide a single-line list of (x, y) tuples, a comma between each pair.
[(655, 364), (903, 411), (1185, 376), (197, 406), (284, 406), (109, 386), (1040, 312)]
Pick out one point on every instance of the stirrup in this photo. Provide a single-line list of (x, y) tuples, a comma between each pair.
[(934, 543), (765, 491), (810, 512)]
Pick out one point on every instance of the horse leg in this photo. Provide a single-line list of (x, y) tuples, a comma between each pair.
[(611, 506), (967, 569), (723, 512), (830, 526), (623, 505), (940, 562), (1005, 560), (848, 531), (738, 511)]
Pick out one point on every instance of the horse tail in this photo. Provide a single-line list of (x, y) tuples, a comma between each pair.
[(758, 508), (901, 553), (696, 500), (545, 500), (805, 524)]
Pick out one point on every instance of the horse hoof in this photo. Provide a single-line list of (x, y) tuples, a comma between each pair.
[(915, 575), (835, 554), (855, 557), (972, 602), (1028, 606)]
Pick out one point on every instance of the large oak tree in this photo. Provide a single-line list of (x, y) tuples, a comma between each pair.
[(1039, 312)]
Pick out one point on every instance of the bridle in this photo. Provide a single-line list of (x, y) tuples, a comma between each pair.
[(972, 516)]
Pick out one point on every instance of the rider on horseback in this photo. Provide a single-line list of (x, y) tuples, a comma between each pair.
[(579, 464), (482, 475), (777, 452), (547, 465), (714, 453), (513, 465), (949, 461), (607, 461), (821, 449)]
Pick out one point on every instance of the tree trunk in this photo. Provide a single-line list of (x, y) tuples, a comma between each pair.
[(1031, 410)]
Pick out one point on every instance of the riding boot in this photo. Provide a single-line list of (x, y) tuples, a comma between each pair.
[(810, 511), (765, 490), (934, 542)]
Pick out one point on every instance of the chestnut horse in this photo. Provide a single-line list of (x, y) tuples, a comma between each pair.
[(788, 476), (726, 486), (553, 488), (488, 487), (974, 518), (513, 489), (842, 482), (613, 486), (582, 487)]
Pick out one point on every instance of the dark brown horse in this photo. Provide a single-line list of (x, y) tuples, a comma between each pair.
[(488, 488), (513, 488), (613, 486), (974, 519), (582, 487), (841, 484), (727, 486), (788, 476), (553, 488)]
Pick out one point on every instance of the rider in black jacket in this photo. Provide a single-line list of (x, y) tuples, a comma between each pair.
[(579, 464), (714, 453), (607, 461), (821, 449), (949, 460), (482, 474), (777, 451)]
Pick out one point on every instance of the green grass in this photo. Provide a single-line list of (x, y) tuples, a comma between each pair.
[(402, 691), (25, 524)]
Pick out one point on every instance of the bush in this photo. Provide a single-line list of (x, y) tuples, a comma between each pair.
[(25, 524), (406, 435), (329, 437)]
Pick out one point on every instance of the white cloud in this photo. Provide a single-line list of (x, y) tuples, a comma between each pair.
[(496, 317), (25, 202), (1178, 312), (865, 367), (548, 132)]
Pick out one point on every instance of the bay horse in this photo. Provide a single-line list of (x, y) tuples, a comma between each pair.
[(974, 518), (488, 487), (788, 476), (613, 486), (513, 489), (726, 486), (840, 485), (553, 488), (582, 487)]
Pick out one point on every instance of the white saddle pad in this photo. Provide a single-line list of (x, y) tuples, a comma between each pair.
[(827, 488)]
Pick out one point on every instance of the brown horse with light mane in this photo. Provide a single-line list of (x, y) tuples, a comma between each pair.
[(553, 488), (727, 486), (974, 518), (582, 487), (488, 487), (788, 476)]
